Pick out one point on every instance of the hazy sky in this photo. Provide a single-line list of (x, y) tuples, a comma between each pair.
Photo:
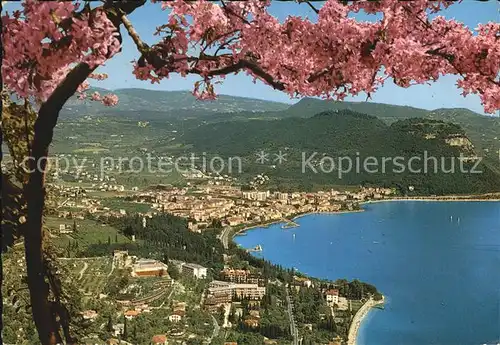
[(443, 93)]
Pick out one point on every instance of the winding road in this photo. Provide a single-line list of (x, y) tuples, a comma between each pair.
[(293, 327), (80, 274), (224, 237), (216, 330)]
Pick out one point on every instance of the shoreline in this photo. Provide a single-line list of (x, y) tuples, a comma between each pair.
[(268, 224), (431, 199), (361, 314), (358, 319), (468, 198)]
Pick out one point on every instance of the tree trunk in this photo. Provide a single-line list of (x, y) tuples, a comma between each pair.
[(43, 315), (33, 244), (1, 205)]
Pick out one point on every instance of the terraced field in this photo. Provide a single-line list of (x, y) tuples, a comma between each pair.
[(91, 273)]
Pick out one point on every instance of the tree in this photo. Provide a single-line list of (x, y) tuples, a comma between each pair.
[(125, 329), (109, 326), (46, 58), (173, 271)]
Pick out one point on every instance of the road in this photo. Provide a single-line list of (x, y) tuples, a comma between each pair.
[(293, 327), (224, 237), (227, 311), (112, 267), (85, 266), (216, 330)]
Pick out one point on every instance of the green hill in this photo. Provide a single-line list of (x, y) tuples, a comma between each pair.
[(147, 104), (352, 135), (484, 131)]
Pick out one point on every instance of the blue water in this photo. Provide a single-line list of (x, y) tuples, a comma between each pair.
[(441, 276)]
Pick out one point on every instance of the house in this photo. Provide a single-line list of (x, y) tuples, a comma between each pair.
[(179, 307), (242, 276), (130, 314), (332, 297), (89, 314), (194, 270), (118, 329), (160, 339), (252, 323), (149, 268), (249, 291), (233, 221), (255, 314), (114, 341), (270, 341), (303, 281), (175, 317), (63, 229)]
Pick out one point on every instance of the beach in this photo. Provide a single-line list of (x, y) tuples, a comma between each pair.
[(358, 318)]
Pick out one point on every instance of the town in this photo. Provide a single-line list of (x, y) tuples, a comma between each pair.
[(114, 255)]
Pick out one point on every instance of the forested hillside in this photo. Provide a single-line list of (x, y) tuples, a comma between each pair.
[(349, 134)]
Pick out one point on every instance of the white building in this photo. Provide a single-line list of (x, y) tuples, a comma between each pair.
[(174, 318), (194, 270), (332, 297)]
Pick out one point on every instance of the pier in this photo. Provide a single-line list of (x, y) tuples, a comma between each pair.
[(289, 224)]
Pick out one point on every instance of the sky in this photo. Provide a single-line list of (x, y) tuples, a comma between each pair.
[(440, 94)]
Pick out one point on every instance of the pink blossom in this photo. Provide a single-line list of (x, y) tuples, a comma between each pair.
[(110, 100), (96, 96), (333, 57), (83, 86)]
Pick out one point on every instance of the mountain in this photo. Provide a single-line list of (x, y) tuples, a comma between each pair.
[(330, 136), (136, 102), (307, 107), (147, 105), (484, 131)]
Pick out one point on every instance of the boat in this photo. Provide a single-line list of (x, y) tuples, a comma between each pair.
[(257, 248), (376, 242)]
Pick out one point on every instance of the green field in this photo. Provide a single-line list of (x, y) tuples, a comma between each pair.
[(88, 232)]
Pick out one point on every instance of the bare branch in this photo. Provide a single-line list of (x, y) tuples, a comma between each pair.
[(143, 47), (311, 6)]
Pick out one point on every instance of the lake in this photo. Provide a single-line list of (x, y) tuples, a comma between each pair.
[(437, 263)]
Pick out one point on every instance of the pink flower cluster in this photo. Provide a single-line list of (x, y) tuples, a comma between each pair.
[(335, 56), (47, 40)]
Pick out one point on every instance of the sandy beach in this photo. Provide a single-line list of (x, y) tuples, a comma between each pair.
[(358, 318)]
